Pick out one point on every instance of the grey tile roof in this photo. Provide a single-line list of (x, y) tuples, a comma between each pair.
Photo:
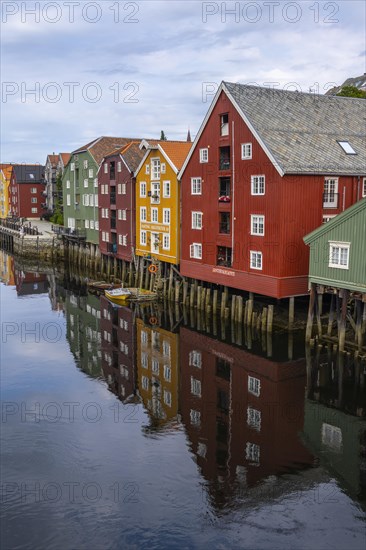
[(29, 173), (301, 130)]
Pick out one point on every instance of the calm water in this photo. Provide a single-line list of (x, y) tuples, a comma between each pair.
[(133, 428)]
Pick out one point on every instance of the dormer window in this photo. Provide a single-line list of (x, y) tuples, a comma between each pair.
[(347, 148), (155, 169), (224, 125)]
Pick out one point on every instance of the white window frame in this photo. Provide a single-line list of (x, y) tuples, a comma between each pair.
[(34, 210), (196, 387), (155, 215), (106, 167), (331, 188), (336, 245), (246, 151), (224, 126), (196, 186), (143, 237), (258, 182), (257, 224), (254, 386), (254, 418), (143, 213), (68, 200), (166, 189), (166, 241), (155, 168), (86, 182), (119, 166), (85, 164), (142, 189), (255, 255), (197, 220), (91, 173), (203, 155), (166, 216), (123, 189), (93, 225), (68, 184), (364, 187), (195, 251), (72, 167), (147, 169)]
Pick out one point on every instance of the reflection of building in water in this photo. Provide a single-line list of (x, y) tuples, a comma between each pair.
[(83, 331), (6, 269), (157, 367), (242, 412), (339, 440), (335, 411), (30, 283), (118, 335)]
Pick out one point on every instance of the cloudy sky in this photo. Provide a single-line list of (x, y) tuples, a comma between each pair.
[(75, 70)]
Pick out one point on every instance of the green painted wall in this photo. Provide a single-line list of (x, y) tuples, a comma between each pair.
[(351, 229), (81, 184)]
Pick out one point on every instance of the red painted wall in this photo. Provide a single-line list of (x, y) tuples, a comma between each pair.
[(127, 201), (22, 207), (292, 206)]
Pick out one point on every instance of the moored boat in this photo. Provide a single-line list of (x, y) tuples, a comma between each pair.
[(120, 296)]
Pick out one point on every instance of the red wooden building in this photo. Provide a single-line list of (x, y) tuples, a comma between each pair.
[(26, 191), (116, 201), (267, 167)]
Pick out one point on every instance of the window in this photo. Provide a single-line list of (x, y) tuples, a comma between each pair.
[(86, 224), (68, 200), (143, 238), (91, 173), (91, 200), (167, 373), (155, 193), (166, 348), (195, 417), (95, 182), (144, 360), (72, 166), (106, 167), (203, 155), (339, 255), (34, 190), (246, 151), (195, 359), (224, 189), (331, 436), (119, 166), (166, 216), (347, 148), (166, 189), (168, 398), (86, 182), (330, 195), (166, 242), (224, 222), (328, 218), (124, 189), (122, 214), (145, 383), (163, 168), (142, 189), (68, 184), (34, 210), (224, 125), (196, 251), (96, 200), (224, 158), (147, 168), (196, 186), (255, 259), (252, 452), (154, 215), (254, 418), (94, 225), (85, 164), (122, 240), (144, 337), (364, 187), (196, 220), (254, 386), (34, 200), (224, 256), (256, 224), (143, 213), (195, 387), (155, 366), (258, 185), (155, 169)]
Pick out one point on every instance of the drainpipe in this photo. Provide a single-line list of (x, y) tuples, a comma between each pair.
[(344, 198), (233, 178)]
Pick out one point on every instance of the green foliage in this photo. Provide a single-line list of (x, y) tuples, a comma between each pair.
[(163, 136), (58, 217), (352, 91)]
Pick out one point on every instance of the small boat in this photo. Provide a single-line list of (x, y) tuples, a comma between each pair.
[(119, 296), (101, 286)]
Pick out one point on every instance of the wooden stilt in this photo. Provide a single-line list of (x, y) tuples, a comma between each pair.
[(309, 325)]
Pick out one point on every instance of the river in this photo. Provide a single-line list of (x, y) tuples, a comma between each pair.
[(146, 427)]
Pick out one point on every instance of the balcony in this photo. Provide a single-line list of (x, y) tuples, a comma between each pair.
[(330, 200), (155, 199), (223, 256), (113, 223), (224, 159), (112, 198), (69, 232), (112, 248)]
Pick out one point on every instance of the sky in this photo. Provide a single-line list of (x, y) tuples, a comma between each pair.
[(72, 71)]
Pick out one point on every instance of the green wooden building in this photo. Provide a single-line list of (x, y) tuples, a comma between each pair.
[(338, 267), (80, 187)]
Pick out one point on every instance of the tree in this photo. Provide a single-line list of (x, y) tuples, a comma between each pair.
[(163, 136), (352, 91), (58, 216)]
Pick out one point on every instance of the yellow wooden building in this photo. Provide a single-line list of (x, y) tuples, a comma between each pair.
[(157, 372), (5, 177), (158, 201)]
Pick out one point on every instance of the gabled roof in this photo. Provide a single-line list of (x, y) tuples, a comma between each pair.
[(132, 155), (53, 160), (174, 152), (300, 132), (28, 173), (65, 157), (337, 220), (102, 146), (7, 170)]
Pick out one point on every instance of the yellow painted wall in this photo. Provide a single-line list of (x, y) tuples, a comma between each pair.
[(157, 351), (4, 195), (173, 254)]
